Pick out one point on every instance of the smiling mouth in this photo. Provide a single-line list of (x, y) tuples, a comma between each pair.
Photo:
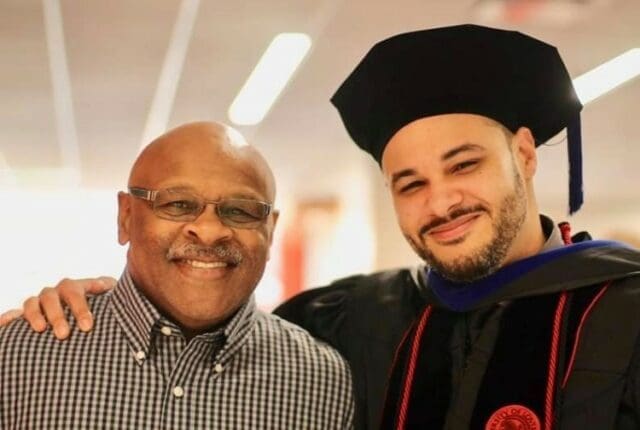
[(203, 270), (455, 230), (198, 264), (204, 265)]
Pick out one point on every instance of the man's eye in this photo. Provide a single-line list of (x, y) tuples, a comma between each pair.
[(464, 166), (235, 211), (411, 186), (179, 206), (182, 204), (238, 213)]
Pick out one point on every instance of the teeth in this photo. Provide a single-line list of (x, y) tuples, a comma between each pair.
[(205, 264)]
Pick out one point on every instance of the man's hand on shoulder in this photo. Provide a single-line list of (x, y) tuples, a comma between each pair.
[(10, 315), (48, 305)]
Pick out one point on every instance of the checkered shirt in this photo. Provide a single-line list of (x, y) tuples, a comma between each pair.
[(136, 371)]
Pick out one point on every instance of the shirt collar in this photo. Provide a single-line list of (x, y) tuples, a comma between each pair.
[(552, 233), (140, 321), (135, 315)]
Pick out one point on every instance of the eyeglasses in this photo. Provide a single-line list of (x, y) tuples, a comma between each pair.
[(183, 206)]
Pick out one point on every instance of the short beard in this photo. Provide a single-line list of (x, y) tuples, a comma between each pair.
[(488, 259)]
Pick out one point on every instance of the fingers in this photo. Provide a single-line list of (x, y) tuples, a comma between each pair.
[(103, 284), (73, 294), (52, 308), (48, 306), (10, 315), (33, 314)]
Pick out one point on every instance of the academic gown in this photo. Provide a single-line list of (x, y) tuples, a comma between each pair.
[(471, 362)]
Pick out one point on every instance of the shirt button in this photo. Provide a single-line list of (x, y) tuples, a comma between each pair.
[(140, 355), (178, 392), (166, 331), (218, 368)]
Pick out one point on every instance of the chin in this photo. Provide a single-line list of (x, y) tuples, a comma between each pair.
[(455, 249), (455, 253)]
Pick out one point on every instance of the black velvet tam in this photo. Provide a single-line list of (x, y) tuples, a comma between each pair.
[(504, 75)]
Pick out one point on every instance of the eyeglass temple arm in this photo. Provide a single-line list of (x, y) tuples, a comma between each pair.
[(143, 194)]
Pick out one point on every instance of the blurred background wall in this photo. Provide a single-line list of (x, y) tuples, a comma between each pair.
[(84, 84)]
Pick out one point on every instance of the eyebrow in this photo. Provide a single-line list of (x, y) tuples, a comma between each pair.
[(462, 148), (401, 174), (446, 156), (180, 188), (242, 195)]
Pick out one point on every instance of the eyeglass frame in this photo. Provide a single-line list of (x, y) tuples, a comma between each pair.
[(150, 196)]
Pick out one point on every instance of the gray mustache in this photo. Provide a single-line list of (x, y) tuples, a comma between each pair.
[(223, 252)]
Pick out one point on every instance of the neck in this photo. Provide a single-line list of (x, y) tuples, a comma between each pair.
[(189, 326), (191, 329), (190, 333), (529, 241)]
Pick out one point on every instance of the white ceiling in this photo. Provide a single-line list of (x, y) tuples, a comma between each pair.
[(115, 50)]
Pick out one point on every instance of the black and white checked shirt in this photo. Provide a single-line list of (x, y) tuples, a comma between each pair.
[(136, 371)]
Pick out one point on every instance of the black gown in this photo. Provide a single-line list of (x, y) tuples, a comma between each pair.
[(462, 373)]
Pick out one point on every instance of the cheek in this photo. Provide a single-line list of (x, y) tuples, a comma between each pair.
[(482, 187), (493, 189), (152, 239), (255, 246), (407, 214)]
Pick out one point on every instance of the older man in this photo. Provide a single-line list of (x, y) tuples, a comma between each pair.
[(179, 344), (513, 323)]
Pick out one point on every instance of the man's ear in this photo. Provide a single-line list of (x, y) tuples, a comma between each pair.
[(124, 217), (525, 152)]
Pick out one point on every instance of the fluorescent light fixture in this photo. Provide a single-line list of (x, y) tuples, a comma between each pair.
[(278, 63), (608, 76), (61, 85), (164, 97)]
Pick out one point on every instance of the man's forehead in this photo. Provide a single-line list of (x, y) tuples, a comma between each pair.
[(210, 177), (162, 161), (202, 153), (438, 134), (212, 190), (196, 170), (409, 156), (449, 121), (407, 160)]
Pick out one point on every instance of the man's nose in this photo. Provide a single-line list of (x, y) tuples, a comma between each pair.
[(208, 228), (443, 198)]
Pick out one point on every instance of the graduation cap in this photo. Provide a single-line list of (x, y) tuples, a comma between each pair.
[(504, 75)]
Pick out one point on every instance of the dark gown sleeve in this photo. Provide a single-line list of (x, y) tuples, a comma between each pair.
[(628, 416), (364, 318), (321, 311), (622, 363)]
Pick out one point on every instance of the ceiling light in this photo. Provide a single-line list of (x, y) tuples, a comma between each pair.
[(607, 76), (278, 63)]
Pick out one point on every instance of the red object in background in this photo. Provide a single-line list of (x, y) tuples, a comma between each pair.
[(292, 268), (519, 11)]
